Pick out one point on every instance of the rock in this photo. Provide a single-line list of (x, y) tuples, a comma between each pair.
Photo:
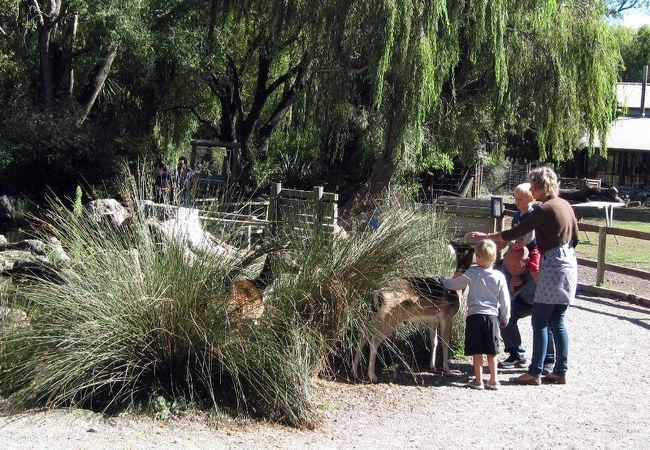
[(340, 233), (26, 245), (108, 208), (12, 318), (33, 257), (186, 227)]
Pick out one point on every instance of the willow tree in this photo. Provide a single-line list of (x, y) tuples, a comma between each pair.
[(449, 70), (443, 77)]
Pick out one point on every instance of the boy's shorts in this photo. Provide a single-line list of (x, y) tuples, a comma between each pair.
[(482, 335)]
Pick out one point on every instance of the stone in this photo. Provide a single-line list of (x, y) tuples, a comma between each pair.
[(108, 208)]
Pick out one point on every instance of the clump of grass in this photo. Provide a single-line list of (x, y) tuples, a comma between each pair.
[(331, 297), (136, 319)]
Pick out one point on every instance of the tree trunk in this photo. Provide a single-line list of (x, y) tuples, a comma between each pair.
[(73, 37), (259, 100), (95, 85), (46, 65), (228, 121), (289, 96), (365, 199)]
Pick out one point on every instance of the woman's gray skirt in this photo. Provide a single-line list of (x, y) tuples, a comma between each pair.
[(558, 276)]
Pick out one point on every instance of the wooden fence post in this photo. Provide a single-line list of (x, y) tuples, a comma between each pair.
[(318, 207), (600, 266), (274, 208)]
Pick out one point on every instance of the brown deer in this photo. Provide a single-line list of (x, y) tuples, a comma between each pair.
[(415, 299), (246, 296)]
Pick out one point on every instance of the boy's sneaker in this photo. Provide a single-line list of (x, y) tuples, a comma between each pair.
[(512, 362), (493, 387), (475, 385)]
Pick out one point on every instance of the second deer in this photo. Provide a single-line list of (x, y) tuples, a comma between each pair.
[(415, 299)]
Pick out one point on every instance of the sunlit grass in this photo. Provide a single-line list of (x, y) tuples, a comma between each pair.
[(136, 319), (630, 252)]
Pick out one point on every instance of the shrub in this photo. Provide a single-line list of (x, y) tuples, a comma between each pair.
[(137, 320)]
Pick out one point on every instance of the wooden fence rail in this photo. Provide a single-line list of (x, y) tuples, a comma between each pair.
[(601, 264), (290, 208)]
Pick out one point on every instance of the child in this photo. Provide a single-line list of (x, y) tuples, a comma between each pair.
[(523, 254), (488, 308)]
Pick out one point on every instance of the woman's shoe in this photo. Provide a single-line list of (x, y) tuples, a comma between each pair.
[(527, 379), (554, 378)]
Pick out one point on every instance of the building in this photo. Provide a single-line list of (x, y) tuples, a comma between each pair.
[(628, 142)]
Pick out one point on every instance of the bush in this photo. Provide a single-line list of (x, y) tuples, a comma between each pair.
[(137, 320), (331, 297)]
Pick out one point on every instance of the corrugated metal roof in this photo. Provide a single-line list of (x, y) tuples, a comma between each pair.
[(629, 96), (628, 133)]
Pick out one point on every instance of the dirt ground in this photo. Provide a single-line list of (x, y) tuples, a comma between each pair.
[(606, 404)]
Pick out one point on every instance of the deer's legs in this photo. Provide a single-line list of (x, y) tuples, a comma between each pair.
[(433, 337), (375, 342), (445, 332), (363, 340)]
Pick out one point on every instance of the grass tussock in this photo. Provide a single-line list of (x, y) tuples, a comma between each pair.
[(135, 318)]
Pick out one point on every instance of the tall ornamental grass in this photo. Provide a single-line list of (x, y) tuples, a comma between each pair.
[(136, 318), (331, 297)]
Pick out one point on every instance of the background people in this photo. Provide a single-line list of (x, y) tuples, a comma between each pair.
[(184, 178), (162, 187)]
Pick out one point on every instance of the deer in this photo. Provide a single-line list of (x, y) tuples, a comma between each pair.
[(415, 299), (247, 295)]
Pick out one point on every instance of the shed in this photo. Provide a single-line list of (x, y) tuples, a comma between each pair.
[(628, 142)]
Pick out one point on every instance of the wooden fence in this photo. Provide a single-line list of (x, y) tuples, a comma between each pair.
[(295, 210), (287, 209), (601, 264), (464, 214)]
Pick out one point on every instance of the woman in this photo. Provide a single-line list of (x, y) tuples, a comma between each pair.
[(556, 231)]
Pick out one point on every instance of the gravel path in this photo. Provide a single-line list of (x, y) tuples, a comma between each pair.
[(605, 405)]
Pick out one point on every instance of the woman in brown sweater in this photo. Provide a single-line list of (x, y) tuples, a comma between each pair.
[(556, 231)]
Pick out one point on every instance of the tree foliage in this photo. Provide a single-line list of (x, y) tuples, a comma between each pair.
[(354, 94), (635, 52)]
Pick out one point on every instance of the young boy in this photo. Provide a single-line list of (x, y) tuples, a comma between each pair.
[(523, 254), (488, 308)]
